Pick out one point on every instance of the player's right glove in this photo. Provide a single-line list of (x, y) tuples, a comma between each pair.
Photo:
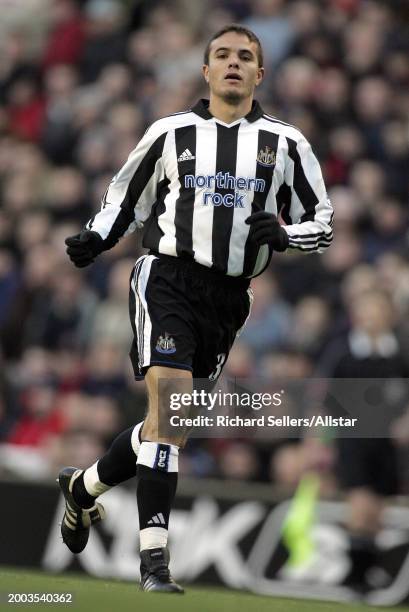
[(84, 247)]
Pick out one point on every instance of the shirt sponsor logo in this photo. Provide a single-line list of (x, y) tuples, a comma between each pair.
[(224, 180)]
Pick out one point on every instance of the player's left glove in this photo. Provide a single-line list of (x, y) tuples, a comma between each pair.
[(266, 229)]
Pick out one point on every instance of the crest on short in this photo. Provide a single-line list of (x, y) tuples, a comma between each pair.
[(166, 344)]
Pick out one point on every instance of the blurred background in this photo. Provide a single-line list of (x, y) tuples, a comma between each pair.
[(79, 83)]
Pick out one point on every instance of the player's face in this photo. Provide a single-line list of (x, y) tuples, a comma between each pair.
[(233, 71)]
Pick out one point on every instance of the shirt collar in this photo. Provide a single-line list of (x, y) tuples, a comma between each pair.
[(202, 109)]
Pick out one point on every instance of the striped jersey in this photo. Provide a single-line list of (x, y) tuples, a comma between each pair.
[(192, 181)]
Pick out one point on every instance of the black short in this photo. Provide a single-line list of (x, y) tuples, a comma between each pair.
[(184, 315), (370, 463)]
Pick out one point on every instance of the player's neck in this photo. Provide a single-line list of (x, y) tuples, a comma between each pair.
[(228, 113)]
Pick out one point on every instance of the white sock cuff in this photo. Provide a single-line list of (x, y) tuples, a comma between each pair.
[(135, 438), (153, 537), (92, 482), (162, 457)]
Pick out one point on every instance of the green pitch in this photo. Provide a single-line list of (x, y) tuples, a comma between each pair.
[(91, 595)]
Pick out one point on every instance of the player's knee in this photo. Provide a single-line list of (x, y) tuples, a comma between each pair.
[(169, 388)]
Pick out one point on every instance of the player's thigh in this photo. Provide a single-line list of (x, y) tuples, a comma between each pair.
[(166, 387)]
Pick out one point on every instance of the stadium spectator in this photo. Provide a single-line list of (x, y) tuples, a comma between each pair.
[(368, 467)]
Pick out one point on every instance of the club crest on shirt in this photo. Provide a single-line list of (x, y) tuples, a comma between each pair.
[(266, 157), (166, 344)]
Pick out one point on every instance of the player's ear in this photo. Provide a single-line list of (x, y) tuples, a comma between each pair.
[(205, 72), (260, 76)]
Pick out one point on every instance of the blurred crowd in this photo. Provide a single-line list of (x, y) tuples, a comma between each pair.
[(79, 83)]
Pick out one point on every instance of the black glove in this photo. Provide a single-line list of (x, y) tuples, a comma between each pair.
[(266, 229), (84, 247)]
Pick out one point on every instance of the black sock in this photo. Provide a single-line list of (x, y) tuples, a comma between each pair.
[(155, 494), (119, 463), (116, 466), (80, 494)]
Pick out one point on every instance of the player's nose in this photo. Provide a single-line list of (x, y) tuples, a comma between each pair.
[(234, 63)]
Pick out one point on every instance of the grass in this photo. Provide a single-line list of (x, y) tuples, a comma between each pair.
[(91, 594)]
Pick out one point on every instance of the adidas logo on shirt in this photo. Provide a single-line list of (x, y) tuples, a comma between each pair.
[(186, 156), (158, 519)]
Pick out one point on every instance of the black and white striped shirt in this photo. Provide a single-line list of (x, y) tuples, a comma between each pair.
[(193, 180)]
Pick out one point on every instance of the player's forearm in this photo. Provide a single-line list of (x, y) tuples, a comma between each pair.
[(111, 223)]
